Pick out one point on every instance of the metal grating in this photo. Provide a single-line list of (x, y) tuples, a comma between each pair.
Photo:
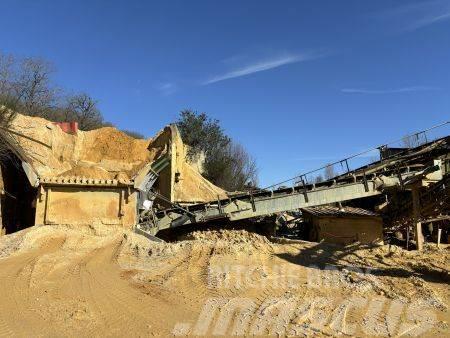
[(335, 211)]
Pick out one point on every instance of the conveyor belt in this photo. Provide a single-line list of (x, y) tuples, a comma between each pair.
[(398, 171)]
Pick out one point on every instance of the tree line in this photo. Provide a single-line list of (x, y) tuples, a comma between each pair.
[(227, 163), (26, 86)]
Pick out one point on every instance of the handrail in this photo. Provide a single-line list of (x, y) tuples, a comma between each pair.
[(356, 155)]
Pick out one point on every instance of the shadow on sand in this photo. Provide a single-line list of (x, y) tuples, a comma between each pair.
[(325, 256)]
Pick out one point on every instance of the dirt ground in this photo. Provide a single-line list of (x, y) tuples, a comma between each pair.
[(56, 281)]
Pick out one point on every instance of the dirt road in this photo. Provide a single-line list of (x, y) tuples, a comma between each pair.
[(61, 281)]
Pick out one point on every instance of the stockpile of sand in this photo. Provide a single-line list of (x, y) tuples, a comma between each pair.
[(87, 281), (108, 153), (112, 144), (192, 186), (115, 151), (388, 271), (229, 236), (47, 148), (53, 152), (138, 249)]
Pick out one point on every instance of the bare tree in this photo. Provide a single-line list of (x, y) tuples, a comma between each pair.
[(33, 87), (8, 102), (26, 87), (329, 172), (83, 109), (6, 75), (244, 172)]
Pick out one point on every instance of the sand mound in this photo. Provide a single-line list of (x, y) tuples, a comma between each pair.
[(59, 281), (112, 144), (223, 242), (12, 243), (46, 147), (230, 236), (193, 187), (108, 153), (53, 152)]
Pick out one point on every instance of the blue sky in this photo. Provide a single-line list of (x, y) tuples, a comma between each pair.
[(298, 83)]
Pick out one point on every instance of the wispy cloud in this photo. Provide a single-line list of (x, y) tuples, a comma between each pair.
[(388, 91), (167, 88), (263, 65), (429, 20), (419, 15)]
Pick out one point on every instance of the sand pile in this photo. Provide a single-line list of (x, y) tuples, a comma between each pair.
[(108, 153), (230, 241), (12, 243), (47, 148), (74, 238), (190, 186), (431, 260), (230, 236), (217, 242), (112, 144), (96, 280), (193, 187), (53, 152), (388, 271)]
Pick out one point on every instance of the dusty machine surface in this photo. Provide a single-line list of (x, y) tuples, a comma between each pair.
[(100, 176)]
